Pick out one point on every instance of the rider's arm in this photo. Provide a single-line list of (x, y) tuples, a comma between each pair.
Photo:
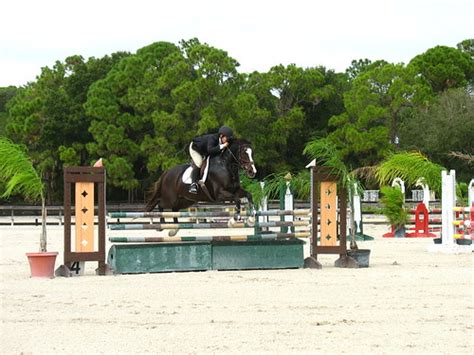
[(213, 146)]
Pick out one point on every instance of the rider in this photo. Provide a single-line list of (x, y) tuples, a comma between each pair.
[(207, 145)]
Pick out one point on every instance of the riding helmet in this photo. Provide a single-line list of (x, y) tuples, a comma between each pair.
[(226, 131)]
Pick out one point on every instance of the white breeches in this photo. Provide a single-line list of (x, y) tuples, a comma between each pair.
[(195, 156)]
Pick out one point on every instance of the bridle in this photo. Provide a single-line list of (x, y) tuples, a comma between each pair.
[(246, 165)]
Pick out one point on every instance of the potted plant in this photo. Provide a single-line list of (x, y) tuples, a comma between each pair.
[(408, 166), (20, 177), (397, 215)]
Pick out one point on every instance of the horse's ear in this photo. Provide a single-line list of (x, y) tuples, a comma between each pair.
[(246, 142), (241, 141)]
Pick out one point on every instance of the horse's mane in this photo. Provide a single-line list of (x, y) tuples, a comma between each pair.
[(236, 144), (239, 142)]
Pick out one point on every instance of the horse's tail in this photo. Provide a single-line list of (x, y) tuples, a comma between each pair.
[(155, 195)]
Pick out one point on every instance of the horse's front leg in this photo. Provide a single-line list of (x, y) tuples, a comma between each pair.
[(249, 197), (251, 207), (237, 216), (237, 198)]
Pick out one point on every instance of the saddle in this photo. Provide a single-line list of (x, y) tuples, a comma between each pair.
[(203, 172)]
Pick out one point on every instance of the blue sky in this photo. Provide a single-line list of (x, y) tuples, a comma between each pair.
[(258, 34)]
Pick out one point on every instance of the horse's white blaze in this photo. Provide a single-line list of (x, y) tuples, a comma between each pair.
[(249, 153)]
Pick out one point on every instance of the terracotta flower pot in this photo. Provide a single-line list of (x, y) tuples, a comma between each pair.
[(42, 263)]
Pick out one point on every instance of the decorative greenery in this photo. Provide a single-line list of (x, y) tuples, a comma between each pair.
[(253, 186), (300, 184), (409, 166), (17, 171), (462, 193), (327, 154), (273, 184), (392, 200)]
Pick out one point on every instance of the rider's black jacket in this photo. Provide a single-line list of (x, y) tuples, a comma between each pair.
[(207, 144)]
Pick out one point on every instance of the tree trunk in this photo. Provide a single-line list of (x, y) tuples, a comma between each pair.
[(43, 239), (353, 244)]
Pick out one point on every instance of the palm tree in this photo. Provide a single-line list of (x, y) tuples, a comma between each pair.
[(20, 177), (409, 166)]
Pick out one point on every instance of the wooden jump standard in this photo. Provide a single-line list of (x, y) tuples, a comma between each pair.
[(85, 179)]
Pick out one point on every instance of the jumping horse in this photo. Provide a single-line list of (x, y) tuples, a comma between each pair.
[(222, 183)]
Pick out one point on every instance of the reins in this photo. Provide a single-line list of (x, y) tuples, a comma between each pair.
[(237, 160)]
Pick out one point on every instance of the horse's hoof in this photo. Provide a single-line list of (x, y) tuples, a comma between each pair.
[(173, 232), (231, 222), (251, 221)]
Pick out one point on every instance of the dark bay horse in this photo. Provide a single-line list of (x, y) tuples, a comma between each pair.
[(222, 183)]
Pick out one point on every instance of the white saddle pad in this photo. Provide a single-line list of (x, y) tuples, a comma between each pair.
[(187, 175), (186, 178)]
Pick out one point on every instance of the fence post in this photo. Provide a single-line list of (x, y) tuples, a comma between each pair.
[(470, 193), (286, 202), (448, 201), (263, 207)]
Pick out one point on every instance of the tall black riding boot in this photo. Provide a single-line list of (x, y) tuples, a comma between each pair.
[(194, 178)]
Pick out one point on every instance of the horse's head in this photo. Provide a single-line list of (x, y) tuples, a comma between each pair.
[(245, 159)]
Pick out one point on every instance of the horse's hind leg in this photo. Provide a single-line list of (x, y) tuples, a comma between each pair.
[(162, 220)]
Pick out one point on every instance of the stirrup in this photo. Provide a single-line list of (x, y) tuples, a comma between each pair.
[(193, 188)]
